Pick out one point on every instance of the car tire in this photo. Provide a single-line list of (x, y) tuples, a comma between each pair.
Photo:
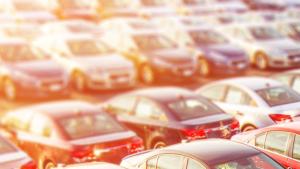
[(204, 67), (261, 61), (79, 81), (146, 74), (9, 89), (248, 128), (158, 144), (49, 165)]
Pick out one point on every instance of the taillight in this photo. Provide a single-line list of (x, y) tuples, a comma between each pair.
[(136, 145), (193, 134), (81, 152), (281, 118), (235, 125), (29, 165)]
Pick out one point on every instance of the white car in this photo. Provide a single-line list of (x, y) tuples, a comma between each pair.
[(264, 44), (155, 55), (92, 165), (255, 101), (91, 63), (27, 31)]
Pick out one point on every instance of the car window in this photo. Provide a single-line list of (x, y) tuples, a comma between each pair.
[(147, 109), (296, 84), (296, 150), (192, 164), (40, 126), (170, 161), (277, 141), (237, 96), (122, 105), (214, 92), (260, 140)]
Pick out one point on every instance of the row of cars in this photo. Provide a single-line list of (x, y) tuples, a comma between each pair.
[(67, 132)]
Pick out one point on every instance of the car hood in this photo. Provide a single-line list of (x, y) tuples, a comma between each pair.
[(111, 137), (286, 45), (40, 69), (208, 120), (13, 160), (292, 109), (228, 51), (104, 62), (180, 56)]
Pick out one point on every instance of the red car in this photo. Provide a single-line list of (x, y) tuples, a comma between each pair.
[(281, 142), (69, 132), (11, 157)]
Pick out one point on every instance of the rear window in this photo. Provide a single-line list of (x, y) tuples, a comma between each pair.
[(6, 147), (89, 125), (189, 108)]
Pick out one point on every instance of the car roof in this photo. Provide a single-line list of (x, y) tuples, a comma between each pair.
[(92, 165), (59, 109), (291, 127), (161, 94), (253, 83)]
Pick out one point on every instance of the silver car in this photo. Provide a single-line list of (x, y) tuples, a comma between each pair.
[(255, 101)]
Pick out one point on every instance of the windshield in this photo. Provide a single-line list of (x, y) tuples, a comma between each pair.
[(19, 53), (277, 96), (207, 37), (88, 48), (29, 5), (189, 108), (259, 161), (95, 124), (265, 33), (153, 42), (6, 147), (24, 31)]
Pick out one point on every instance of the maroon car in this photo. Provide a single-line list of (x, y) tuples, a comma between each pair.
[(68, 132), (281, 142), (11, 157)]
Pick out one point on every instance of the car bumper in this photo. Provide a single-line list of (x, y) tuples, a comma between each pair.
[(231, 69), (175, 73), (101, 83), (283, 63)]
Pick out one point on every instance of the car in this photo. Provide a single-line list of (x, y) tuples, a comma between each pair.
[(155, 56), (264, 44), (93, 165), (204, 154), (70, 26), (291, 78), (266, 5), (281, 142), (28, 72), (290, 28), (169, 115), (214, 51), (12, 157), (90, 62), (256, 102), (67, 132), (28, 31)]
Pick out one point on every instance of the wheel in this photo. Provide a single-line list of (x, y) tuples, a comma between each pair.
[(158, 145), (79, 81), (248, 128), (204, 67), (261, 61), (146, 74), (49, 165), (9, 89)]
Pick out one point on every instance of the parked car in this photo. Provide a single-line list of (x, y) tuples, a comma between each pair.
[(281, 142), (165, 116), (92, 165), (290, 78), (266, 5), (68, 132), (255, 101), (265, 46), (25, 71), (155, 56), (12, 157), (90, 62), (205, 154), (27, 31), (290, 28), (215, 53)]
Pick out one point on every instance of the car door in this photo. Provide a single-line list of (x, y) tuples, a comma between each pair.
[(294, 160), (277, 146)]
